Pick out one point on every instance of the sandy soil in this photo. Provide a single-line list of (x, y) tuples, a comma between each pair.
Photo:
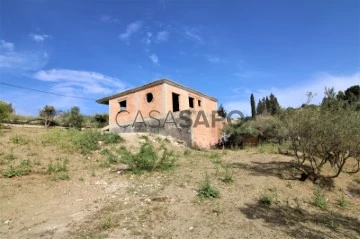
[(100, 202)]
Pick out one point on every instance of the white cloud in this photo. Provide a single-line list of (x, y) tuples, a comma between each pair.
[(84, 82), (131, 29), (23, 60), (162, 36), (8, 46), (296, 95), (193, 34), (154, 59), (213, 59), (38, 37), (108, 18)]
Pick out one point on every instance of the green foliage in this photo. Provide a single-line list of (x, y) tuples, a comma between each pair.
[(112, 138), (147, 159), (187, 152), (206, 190), (270, 127), (23, 169), (101, 120), (5, 110), (268, 105), (324, 136), (221, 111), (268, 197), (47, 114), (20, 139), (320, 200), (64, 176), (228, 175)]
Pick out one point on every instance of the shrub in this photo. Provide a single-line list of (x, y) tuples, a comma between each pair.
[(147, 159), (343, 203), (208, 191), (320, 200), (112, 138), (23, 169), (228, 176), (268, 197)]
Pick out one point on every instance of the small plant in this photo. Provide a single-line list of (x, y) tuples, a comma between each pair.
[(187, 152), (268, 197), (19, 139), (207, 191), (228, 177), (108, 222), (320, 200), (59, 166), (215, 157), (343, 203), (23, 169), (64, 176), (10, 156)]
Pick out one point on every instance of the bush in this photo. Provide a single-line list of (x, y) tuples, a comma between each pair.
[(23, 169), (207, 191), (268, 197), (112, 138), (147, 159), (320, 200)]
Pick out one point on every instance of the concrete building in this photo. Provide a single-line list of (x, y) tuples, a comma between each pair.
[(168, 108)]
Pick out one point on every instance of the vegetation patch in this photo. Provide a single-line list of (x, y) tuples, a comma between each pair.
[(23, 169), (206, 190), (268, 197)]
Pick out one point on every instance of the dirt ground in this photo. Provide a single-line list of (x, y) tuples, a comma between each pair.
[(100, 202)]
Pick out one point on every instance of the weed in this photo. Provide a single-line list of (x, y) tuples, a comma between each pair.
[(206, 190), (147, 159), (111, 138), (228, 176), (64, 176), (320, 200), (215, 157), (59, 166), (108, 222), (10, 156), (268, 148), (187, 152), (20, 139), (268, 197), (342, 202), (23, 169)]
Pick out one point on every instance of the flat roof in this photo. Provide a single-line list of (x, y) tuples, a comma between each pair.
[(105, 100)]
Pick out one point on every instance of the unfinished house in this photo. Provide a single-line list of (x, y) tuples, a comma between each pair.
[(167, 108)]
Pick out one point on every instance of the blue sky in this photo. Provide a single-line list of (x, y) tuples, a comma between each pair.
[(226, 49)]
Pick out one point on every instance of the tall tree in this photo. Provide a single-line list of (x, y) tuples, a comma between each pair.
[(252, 103), (267, 104), (274, 106), (221, 111)]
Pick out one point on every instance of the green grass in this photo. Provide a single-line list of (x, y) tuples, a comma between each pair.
[(23, 169), (342, 202), (187, 152), (228, 175), (59, 166)]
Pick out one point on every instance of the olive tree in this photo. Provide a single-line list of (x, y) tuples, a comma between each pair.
[(47, 114), (325, 137)]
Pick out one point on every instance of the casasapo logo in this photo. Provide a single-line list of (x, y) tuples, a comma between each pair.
[(185, 119)]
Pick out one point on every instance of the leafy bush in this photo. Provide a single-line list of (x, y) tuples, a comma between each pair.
[(270, 127), (208, 191), (23, 169), (147, 159)]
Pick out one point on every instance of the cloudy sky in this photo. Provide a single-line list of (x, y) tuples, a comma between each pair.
[(226, 49)]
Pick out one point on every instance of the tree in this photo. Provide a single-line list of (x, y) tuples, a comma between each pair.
[(47, 114), (260, 108), (74, 118), (5, 110), (323, 136), (274, 106), (252, 103), (101, 120), (221, 111)]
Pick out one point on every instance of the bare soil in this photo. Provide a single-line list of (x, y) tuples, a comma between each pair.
[(97, 202)]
